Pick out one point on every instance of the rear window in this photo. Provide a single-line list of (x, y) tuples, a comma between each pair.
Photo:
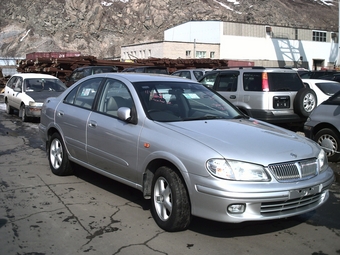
[(329, 88), (156, 70), (107, 69), (284, 82), (276, 81)]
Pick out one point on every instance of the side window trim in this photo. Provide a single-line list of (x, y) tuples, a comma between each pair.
[(108, 102), (80, 96)]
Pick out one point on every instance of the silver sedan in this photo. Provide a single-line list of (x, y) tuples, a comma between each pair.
[(184, 147)]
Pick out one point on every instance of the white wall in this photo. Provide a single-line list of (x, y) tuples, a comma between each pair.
[(205, 32), (253, 48)]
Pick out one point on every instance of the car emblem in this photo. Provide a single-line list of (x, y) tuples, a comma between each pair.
[(293, 155)]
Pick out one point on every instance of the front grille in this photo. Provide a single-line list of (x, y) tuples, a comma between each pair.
[(292, 204), (294, 171)]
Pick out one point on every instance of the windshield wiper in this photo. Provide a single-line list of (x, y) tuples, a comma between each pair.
[(241, 117), (207, 117)]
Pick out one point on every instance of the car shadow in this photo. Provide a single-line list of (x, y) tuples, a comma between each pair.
[(199, 225), (249, 228), (112, 186)]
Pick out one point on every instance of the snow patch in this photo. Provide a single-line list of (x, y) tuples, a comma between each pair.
[(227, 7), (106, 3)]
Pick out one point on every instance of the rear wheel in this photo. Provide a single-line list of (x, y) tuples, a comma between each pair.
[(330, 141), (305, 102), (9, 109), (170, 204), (57, 156)]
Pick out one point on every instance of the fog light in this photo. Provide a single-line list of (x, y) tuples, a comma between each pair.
[(237, 208)]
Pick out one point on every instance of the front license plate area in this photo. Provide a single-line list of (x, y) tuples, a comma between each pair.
[(300, 193)]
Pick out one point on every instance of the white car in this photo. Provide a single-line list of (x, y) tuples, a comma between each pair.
[(323, 89), (26, 92), (192, 74)]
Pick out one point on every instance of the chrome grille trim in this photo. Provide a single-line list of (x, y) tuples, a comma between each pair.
[(292, 204), (294, 171)]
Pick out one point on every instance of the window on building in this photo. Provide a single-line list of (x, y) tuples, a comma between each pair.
[(188, 53), (319, 36), (201, 54), (144, 56), (149, 53), (212, 54), (296, 34)]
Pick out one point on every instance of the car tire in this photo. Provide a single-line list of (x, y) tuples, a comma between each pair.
[(9, 109), (305, 102), (57, 156), (22, 113), (329, 140), (170, 204)]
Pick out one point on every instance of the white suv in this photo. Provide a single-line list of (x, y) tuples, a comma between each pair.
[(275, 95)]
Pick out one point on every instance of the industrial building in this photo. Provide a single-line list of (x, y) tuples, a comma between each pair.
[(264, 45)]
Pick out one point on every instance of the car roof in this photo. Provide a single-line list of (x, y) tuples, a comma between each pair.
[(318, 81), (35, 75), (257, 69), (193, 69), (89, 67), (140, 77)]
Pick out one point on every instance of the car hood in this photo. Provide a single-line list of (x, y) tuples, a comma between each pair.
[(248, 140), (40, 96)]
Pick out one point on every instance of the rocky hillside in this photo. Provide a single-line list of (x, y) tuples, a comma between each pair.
[(99, 28)]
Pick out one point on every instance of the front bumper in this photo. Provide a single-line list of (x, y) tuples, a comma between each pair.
[(33, 111), (276, 116), (261, 201)]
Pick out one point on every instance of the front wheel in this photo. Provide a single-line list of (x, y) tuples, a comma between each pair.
[(330, 141), (57, 156), (170, 204), (22, 113)]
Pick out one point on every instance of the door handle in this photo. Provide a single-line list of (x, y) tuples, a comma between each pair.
[(92, 124), (60, 113), (232, 97)]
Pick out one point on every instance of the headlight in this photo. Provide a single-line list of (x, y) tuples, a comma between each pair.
[(322, 160), (34, 104), (236, 170)]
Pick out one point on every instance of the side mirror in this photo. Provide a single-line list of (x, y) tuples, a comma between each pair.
[(124, 114), (17, 89)]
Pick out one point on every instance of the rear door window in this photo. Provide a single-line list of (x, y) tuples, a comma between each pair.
[(84, 94), (227, 82), (252, 81), (11, 83)]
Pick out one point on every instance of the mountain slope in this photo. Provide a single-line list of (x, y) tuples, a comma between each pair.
[(99, 28)]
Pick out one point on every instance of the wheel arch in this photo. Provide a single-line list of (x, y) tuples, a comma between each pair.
[(50, 132), (151, 170), (321, 126)]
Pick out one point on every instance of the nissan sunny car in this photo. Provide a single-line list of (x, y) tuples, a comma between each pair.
[(185, 147), (26, 93)]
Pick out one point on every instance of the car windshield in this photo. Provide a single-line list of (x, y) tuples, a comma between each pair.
[(43, 84), (178, 101)]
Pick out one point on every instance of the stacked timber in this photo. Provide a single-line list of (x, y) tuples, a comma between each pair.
[(63, 67)]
